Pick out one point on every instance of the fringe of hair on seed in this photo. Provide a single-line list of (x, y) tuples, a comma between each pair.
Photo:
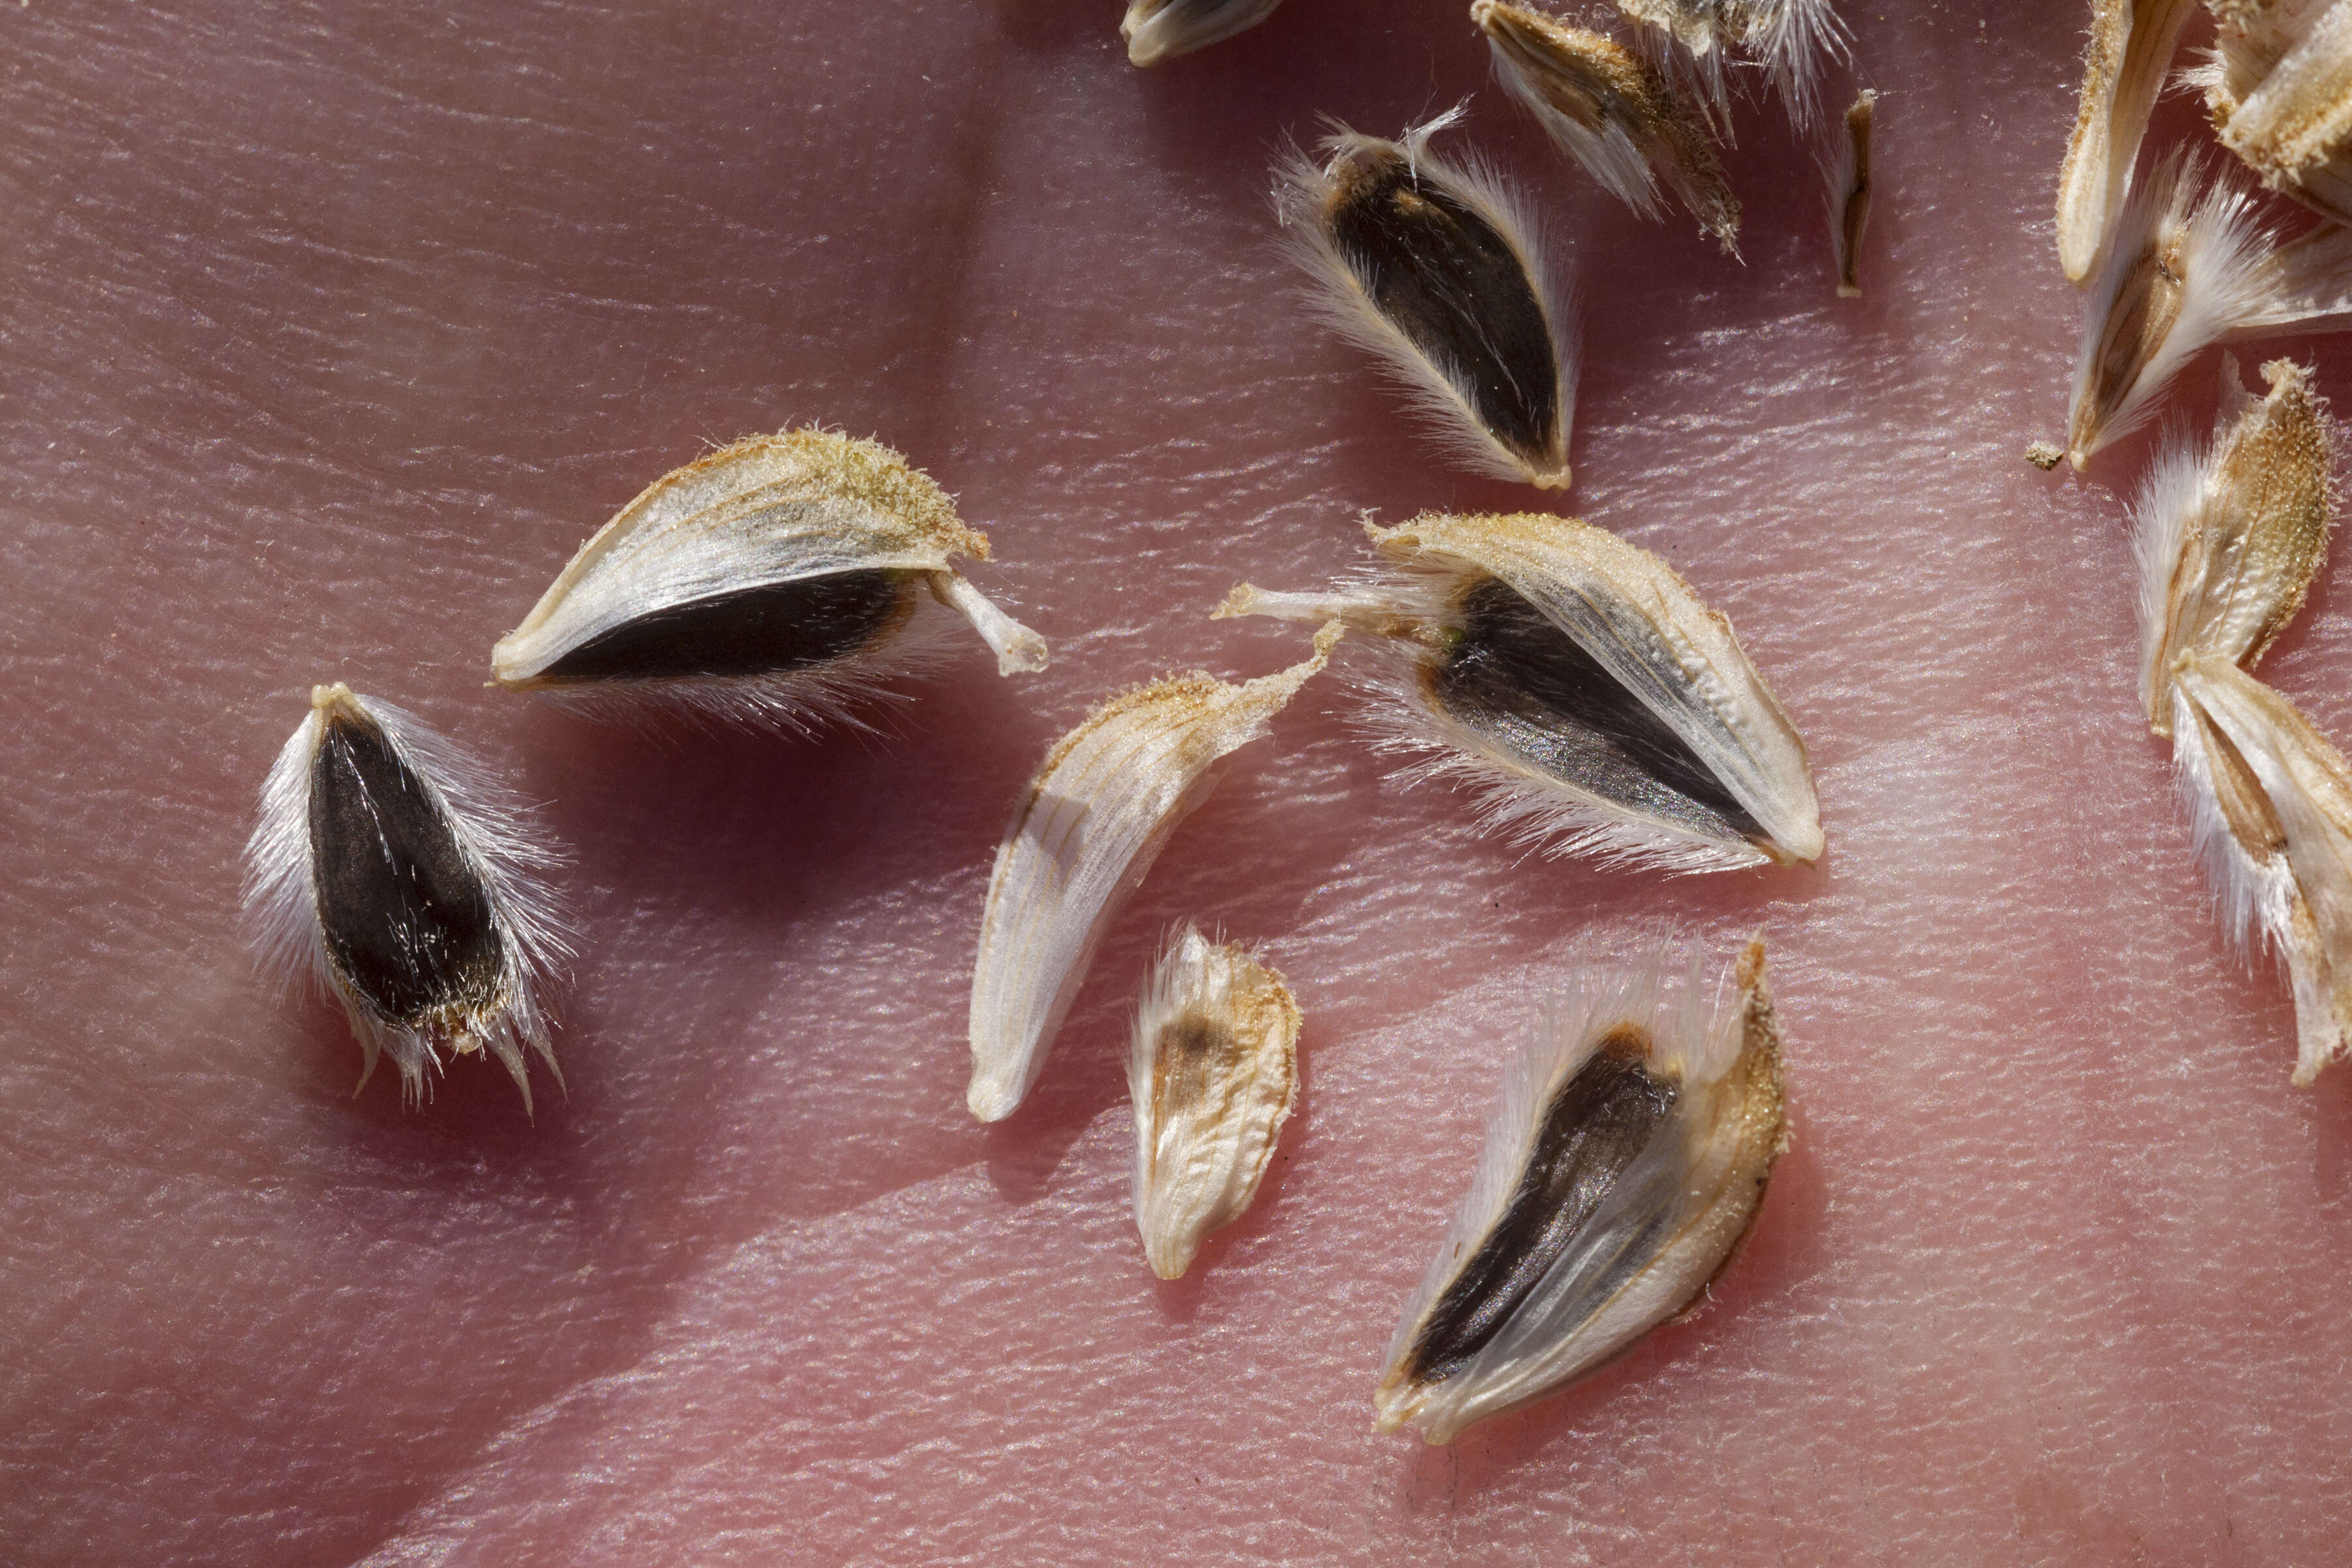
[(1436, 384), (505, 851), (1623, 1165), (778, 580), (1789, 40)]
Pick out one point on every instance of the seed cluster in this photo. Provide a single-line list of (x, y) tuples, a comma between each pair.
[(2230, 533), (1578, 684)]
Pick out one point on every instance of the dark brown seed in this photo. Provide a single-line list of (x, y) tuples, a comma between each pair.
[(770, 629), (1459, 291), (1595, 1127), (402, 910), (1517, 677)]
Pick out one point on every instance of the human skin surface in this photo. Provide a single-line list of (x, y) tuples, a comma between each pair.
[(331, 331)]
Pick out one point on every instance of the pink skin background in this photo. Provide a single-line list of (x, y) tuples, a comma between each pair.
[(331, 331)]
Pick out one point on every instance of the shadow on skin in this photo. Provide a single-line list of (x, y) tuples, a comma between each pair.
[(754, 837), (750, 831)]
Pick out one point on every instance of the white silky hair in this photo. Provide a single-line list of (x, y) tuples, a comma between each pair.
[(2300, 896), (861, 694), (1558, 1329), (504, 848), (1535, 812), (1789, 41), (764, 511), (2171, 497), (1608, 155), (1714, 699), (1531, 810), (1792, 40), (2251, 898), (2227, 279), (1338, 300)]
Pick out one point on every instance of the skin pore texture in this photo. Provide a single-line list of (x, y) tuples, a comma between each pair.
[(331, 332)]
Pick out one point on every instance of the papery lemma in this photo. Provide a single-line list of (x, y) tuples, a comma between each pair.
[(776, 579)]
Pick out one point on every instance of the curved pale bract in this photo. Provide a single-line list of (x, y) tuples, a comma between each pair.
[(2131, 47), (1157, 30), (1623, 1164), (504, 851), (1306, 193), (766, 512), (1211, 1073), (1635, 617), (1612, 112), (1846, 174), (1790, 39), (1083, 836), (2229, 537), (2278, 83), (2269, 802)]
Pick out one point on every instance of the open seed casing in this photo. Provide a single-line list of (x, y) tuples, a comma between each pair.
[(1612, 112), (386, 866), (2191, 266), (2131, 46), (2279, 85), (2270, 804), (1582, 688), (1213, 1073), (1157, 30), (2230, 538), (1437, 270), (774, 580), (1848, 172), (1084, 833), (1622, 1167)]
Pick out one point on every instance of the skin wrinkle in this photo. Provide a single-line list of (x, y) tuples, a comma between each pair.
[(2045, 1276)]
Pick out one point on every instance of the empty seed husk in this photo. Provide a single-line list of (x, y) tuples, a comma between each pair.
[(1789, 40), (776, 579), (1612, 112), (1436, 269), (2229, 537), (1849, 186), (1084, 833), (1623, 1165), (387, 867), (2270, 808), (1213, 1073), (2132, 44), (2279, 85), (1156, 30), (1580, 687)]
